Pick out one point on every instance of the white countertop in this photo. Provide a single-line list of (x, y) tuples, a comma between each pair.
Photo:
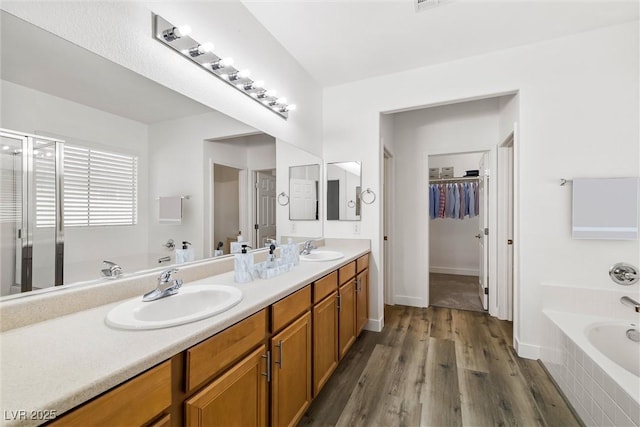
[(60, 363)]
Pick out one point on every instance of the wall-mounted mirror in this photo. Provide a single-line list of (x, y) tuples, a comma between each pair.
[(293, 162), (344, 188), (52, 87), (304, 186)]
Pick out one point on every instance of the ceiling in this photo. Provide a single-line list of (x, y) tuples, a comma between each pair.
[(346, 40), (35, 58)]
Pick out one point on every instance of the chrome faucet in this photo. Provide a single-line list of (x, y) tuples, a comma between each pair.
[(631, 303), (307, 247), (112, 270), (166, 286)]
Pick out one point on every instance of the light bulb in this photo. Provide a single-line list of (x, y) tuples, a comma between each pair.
[(258, 84), (254, 95), (5, 147), (36, 152), (281, 101), (240, 86), (49, 154), (224, 76), (226, 62), (244, 74), (291, 107), (270, 93)]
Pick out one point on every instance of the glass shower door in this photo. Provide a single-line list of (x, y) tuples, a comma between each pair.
[(31, 226)]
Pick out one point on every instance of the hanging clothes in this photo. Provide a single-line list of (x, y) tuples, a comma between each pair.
[(454, 200), (463, 203)]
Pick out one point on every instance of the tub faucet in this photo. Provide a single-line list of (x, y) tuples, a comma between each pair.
[(112, 270), (631, 303), (307, 247), (166, 286)]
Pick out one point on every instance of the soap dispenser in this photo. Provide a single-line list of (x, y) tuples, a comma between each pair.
[(243, 266), (218, 251), (271, 257), (185, 254)]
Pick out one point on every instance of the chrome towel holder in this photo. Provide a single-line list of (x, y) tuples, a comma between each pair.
[(368, 191), (283, 196)]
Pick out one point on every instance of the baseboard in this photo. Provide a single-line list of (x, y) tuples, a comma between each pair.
[(409, 301), (455, 270), (375, 325), (526, 351)]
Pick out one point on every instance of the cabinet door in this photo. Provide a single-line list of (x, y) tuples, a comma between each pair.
[(291, 372), (362, 300), (237, 398), (347, 316), (325, 340)]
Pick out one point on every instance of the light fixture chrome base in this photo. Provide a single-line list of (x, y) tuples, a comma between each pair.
[(164, 33)]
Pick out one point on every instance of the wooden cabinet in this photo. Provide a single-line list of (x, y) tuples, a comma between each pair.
[(325, 340), (362, 292), (237, 398), (362, 300), (213, 355), (346, 316), (291, 372), (134, 403)]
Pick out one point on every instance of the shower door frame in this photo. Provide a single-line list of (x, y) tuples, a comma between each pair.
[(28, 207)]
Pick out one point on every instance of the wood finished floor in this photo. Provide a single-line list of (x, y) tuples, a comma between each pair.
[(438, 367)]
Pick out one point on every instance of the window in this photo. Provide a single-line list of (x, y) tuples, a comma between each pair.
[(100, 187)]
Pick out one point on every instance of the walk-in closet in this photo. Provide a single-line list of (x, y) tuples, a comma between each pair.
[(455, 246)]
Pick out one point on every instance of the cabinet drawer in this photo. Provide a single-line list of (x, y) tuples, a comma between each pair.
[(133, 403), (362, 263), (210, 357), (323, 287), (289, 308), (347, 272)]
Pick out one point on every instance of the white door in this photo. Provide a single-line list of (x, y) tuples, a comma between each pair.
[(303, 199), (483, 238), (265, 207)]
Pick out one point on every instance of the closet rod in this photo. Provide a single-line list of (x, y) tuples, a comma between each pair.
[(460, 178)]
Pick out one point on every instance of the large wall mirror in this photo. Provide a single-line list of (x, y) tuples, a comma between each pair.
[(344, 188), (198, 160), (304, 187)]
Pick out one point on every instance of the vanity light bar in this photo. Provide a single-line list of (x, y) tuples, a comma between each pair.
[(178, 39)]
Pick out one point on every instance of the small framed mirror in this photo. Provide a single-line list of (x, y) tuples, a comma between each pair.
[(344, 187), (304, 187)]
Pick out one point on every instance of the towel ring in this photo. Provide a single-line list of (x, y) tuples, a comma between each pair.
[(351, 204), (368, 191), (282, 196)]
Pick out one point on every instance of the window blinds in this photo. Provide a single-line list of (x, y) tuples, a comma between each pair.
[(100, 188)]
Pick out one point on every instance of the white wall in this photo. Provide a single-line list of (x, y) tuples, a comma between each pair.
[(181, 166), (121, 32), (27, 110), (578, 108), (453, 248)]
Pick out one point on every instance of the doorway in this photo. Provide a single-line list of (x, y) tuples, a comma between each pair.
[(505, 229), (387, 204), (458, 255), (227, 205)]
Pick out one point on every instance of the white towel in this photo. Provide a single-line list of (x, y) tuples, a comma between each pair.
[(170, 210), (605, 208)]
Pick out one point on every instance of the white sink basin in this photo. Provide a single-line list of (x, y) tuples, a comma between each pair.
[(191, 303), (322, 256)]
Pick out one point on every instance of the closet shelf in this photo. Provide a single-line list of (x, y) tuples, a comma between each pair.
[(458, 179)]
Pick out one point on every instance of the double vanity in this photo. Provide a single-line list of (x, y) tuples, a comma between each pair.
[(259, 361)]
